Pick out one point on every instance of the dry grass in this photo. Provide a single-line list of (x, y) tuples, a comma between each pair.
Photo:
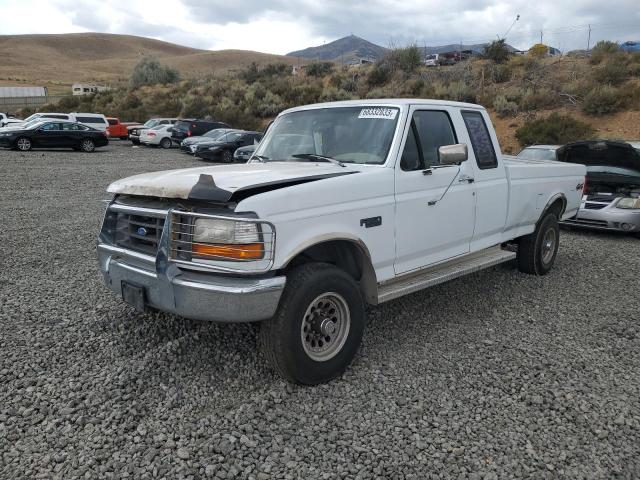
[(57, 61)]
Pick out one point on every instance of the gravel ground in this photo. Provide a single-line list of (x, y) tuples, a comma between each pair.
[(497, 375)]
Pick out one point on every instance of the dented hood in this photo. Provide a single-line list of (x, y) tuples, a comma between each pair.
[(222, 183)]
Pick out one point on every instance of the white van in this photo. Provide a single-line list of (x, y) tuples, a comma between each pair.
[(94, 120)]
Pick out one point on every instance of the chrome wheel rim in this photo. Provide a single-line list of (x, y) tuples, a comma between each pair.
[(87, 146), (549, 245), (325, 326), (24, 144)]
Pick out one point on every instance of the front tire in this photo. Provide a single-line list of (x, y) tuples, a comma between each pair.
[(165, 143), (318, 327), (537, 251), (227, 156), (23, 144), (87, 145)]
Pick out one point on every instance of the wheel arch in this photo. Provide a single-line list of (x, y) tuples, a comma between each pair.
[(556, 204), (345, 252)]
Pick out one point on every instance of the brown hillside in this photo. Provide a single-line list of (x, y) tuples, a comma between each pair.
[(57, 61)]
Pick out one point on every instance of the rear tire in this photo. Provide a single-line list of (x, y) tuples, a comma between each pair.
[(165, 143), (87, 145), (318, 327), (23, 144), (537, 251)]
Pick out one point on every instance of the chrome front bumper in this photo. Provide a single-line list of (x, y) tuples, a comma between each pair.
[(607, 219), (191, 294)]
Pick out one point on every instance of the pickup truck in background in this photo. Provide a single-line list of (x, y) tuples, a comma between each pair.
[(342, 204), (118, 129)]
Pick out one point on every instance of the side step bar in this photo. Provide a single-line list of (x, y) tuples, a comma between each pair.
[(443, 272)]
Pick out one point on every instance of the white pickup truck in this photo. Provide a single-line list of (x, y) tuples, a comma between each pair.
[(342, 204)]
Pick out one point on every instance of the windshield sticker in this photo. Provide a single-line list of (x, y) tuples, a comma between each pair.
[(379, 112)]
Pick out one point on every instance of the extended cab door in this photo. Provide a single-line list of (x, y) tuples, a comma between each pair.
[(435, 204), (492, 189)]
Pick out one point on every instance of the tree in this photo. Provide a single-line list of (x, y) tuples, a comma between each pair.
[(497, 51), (150, 71)]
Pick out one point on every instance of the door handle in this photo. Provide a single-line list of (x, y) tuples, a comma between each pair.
[(466, 178)]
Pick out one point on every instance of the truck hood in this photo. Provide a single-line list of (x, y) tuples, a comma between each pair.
[(224, 183), (601, 153)]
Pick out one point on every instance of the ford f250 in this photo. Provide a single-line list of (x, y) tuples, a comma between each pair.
[(342, 204)]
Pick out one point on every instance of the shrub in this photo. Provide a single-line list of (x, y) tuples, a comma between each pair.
[(535, 100), (319, 69), (613, 72), (501, 73), (69, 104), (407, 59), (602, 100), (556, 129), (603, 49), (505, 108), (378, 75), (150, 71), (497, 51), (539, 50)]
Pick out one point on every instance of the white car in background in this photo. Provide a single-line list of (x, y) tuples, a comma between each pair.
[(158, 136), (93, 120)]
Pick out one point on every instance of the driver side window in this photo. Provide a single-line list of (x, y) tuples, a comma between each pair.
[(430, 130)]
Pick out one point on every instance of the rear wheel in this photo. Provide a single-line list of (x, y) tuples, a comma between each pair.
[(165, 143), (87, 145), (318, 327), (23, 144), (537, 251)]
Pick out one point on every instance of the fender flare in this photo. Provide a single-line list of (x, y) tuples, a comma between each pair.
[(551, 201)]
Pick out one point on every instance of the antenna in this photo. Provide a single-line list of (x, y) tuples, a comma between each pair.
[(507, 32)]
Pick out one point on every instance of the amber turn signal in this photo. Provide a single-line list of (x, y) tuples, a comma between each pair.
[(248, 251)]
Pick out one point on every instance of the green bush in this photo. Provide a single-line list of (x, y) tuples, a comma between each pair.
[(150, 71), (613, 72), (497, 51), (537, 100), (556, 129), (603, 49), (505, 108), (378, 75), (407, 59), (603, 100), (69, 104), (319, 69)]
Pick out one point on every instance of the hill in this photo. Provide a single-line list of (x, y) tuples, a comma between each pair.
[(57, 61), (476, 47), (344, 49)]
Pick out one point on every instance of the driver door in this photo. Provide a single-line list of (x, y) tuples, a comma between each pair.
[(435, 204), (50, 135)]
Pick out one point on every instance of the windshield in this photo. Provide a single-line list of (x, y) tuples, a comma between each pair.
[(349, 134), (31, 117), (33, 124), (229, 137), (538, 154), (215, 133), (151, 123)]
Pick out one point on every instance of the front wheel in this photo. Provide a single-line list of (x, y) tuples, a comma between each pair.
[(227, 156), (87, 146), (318, 327), (23, 144), (165, 143), (537, 251)]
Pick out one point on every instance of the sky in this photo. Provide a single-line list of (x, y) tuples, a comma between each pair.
[(281, 26)]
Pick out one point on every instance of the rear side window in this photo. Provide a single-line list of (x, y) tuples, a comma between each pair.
[(112, 122), (480, 140), (97, 120), (59, 117)]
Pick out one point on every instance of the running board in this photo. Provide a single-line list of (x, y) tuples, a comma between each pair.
[(443, 272)]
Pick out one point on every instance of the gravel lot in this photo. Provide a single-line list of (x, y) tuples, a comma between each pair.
[(497, 375)]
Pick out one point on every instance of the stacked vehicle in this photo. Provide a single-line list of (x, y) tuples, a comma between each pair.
[(135, 131)]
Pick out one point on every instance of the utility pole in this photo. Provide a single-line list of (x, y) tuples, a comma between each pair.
[(589, 39), (541, 36)]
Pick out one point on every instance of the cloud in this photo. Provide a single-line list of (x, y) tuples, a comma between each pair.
[(280, 26)]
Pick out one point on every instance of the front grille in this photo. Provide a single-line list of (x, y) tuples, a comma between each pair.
[(594, 223), (600, 198), (139, 232), (594, 206)]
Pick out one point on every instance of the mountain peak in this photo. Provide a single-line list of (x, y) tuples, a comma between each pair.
[(344, 49)]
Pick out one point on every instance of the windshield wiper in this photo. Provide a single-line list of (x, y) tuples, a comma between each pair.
[(323, 158)]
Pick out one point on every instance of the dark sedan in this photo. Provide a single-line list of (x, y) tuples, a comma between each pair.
[(222, 149), (57, 134)]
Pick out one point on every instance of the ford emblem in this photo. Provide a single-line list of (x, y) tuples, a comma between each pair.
[(142, 231)]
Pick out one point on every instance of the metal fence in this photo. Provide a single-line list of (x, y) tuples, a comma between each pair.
[(16, 103)]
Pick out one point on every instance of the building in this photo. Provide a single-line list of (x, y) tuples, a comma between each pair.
[(87, 89), (20, 92), (15, 98), (358, 62)]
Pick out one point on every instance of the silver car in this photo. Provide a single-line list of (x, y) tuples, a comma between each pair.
[(611, 199)]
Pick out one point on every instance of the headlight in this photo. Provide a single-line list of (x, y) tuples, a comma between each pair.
[(227, 239), (629, 203)]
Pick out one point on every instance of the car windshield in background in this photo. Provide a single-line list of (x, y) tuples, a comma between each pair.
[(151, 123), (348, 134), (31, 117), (215, 133), (229, 137), (537, 154), (33, 124)]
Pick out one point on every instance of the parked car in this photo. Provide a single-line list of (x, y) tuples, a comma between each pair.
[(539, 152), (157, 136), (612, 196), (369, 200), (243, 154), (118, 129), (188, 144), (193, 128), (6, 120), (134, 132), (55, 134), (222, 149), (93, 120)]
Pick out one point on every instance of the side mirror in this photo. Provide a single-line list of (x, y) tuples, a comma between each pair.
[(453, 154)]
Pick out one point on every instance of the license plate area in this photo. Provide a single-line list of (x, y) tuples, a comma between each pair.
[(133, 295)]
